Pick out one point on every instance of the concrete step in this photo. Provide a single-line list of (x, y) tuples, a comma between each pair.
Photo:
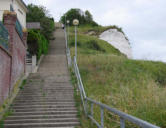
[(44, 116), (55, 127), (45, 94), (40, 120), (43, 103), (44, 109), (49, 87), (44, 112), (45, 98), (46, 91), (42, 100), (32, 90), (37, 87), (42, 106), (38, 125)]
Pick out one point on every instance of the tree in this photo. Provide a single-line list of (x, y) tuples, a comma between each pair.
[(88, 16), (75, 13), (41, 14), (38, 39)]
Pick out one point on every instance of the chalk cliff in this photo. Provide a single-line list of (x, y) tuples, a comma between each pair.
[(118, 40)]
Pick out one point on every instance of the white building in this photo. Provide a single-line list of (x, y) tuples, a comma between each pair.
[(18, 6)]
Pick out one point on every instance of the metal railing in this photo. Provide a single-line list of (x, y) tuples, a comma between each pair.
[(18, 25), (19, 28), (4, 36), (67, 50), (28, 60), (123, 116)]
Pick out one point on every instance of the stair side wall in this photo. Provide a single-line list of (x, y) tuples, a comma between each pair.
[(12, 61)]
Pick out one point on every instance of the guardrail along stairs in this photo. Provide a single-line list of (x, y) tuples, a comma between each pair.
[(47, 98)]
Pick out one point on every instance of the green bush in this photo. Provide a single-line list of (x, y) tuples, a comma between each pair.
[(37, 43), (41, 14), (72, 43), (92, 44)]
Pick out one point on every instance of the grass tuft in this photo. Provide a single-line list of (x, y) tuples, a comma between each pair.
[(23, 84)]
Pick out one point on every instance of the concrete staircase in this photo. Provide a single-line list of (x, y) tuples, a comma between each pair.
[(47, 98)]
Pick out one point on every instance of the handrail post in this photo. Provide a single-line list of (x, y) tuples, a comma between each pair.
[(91, 109), (122, 123), (86, 112), (102, 116)]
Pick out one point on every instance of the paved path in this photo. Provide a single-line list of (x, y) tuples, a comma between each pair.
[(47, 98)]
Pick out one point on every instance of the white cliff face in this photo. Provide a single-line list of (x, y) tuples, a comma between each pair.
[(118, 40)]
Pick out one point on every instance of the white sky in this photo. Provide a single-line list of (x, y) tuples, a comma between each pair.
[(143, 21)]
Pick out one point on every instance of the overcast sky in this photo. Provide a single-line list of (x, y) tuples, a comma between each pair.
[(143, 21)]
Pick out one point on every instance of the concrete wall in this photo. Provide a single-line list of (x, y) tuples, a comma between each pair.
[(12, 61), (18, 8)]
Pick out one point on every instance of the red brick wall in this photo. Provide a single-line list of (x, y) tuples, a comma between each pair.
[(5, 72), (18, 58), (12, 62)]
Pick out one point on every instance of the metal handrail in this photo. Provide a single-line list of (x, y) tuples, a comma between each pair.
[(123, 116), (67, 50), (4, 36), (19, 28)]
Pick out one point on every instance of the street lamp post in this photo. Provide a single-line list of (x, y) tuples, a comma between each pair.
[(75, 23), (65, 20), (68, 30)]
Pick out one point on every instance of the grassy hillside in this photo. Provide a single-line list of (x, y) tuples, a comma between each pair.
[(132, 86), (85, 29)]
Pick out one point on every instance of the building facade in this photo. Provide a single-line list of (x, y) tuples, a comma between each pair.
[(17, 6)]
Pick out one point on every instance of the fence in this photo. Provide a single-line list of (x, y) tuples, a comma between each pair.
[(31, 64), (19, 28), (4, 36), (18, 25), (85, 100)]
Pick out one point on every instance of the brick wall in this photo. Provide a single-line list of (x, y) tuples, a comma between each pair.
[(12, 62), (18, 58), (5, 74)]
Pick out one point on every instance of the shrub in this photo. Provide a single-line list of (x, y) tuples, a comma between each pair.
[(72, 43), (37, 43), (92, 44), (41, 14)]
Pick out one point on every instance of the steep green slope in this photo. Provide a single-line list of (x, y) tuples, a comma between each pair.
[(136, 87)]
